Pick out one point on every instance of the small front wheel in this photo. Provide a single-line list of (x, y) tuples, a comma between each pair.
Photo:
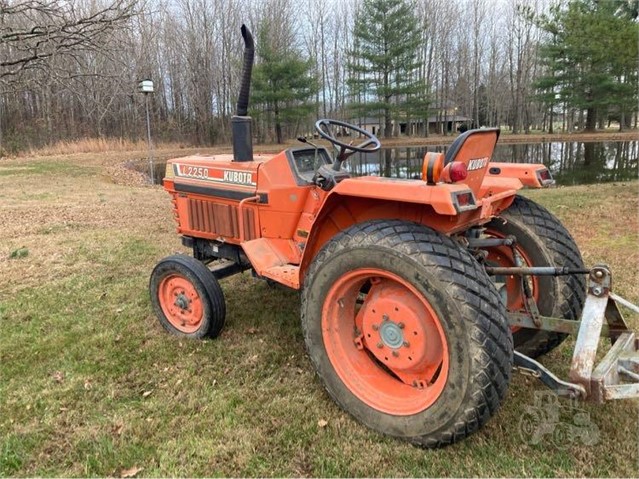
[(407, 332), (187, 298)]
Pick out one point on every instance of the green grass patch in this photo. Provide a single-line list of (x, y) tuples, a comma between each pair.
[(50, 167), (19, 253)]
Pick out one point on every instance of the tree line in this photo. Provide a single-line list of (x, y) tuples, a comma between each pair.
[(70, 70)]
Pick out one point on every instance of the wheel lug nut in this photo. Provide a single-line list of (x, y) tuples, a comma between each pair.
[(380, 345), (375, 327), (385, 317), (406, 344), (396, 354), (400, 325)]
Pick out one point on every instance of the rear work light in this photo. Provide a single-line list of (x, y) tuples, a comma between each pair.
[(545, 178), (455, 172)]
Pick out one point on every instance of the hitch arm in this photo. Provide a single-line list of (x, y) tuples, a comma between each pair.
[(530, 367), (535, 270), (616, 376)]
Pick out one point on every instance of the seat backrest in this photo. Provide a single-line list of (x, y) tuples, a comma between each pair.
[(470, 142), (475, 149)]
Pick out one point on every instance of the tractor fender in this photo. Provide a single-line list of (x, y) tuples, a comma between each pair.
[(441, 197), (358, 200)]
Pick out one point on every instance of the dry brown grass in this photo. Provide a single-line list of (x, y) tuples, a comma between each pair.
[(97, 145)]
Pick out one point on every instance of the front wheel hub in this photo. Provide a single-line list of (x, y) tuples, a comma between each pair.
[(181, 303)]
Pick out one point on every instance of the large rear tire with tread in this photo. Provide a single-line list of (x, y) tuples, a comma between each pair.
[(543, 241), (407, 332), (187, 298)]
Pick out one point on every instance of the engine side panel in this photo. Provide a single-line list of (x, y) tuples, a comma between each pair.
[(214, 197)]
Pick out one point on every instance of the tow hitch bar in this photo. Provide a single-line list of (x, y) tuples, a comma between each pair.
[(616, 376)]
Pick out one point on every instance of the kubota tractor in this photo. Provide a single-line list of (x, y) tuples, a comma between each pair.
[(418, 296)]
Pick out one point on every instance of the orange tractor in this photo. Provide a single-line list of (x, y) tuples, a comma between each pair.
[(418, 296)]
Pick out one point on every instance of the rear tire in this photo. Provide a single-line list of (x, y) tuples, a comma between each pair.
[(187, 298), (424, 298), (544, 240)]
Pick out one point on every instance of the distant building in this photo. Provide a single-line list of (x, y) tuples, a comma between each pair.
[(370, 124), (445, 119), (447, 123)]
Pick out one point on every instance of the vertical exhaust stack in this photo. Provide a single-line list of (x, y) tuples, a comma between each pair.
[(241, 122)]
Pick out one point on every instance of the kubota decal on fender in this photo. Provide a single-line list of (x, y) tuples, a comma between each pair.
[(477, 164)]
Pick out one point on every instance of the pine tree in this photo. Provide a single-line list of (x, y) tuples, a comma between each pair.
[(591, 58), (283, 85), (385, 60)]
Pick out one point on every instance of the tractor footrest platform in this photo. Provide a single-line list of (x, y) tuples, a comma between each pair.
[(288, 275)]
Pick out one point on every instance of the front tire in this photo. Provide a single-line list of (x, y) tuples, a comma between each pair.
[(187, 298), (407, 332)]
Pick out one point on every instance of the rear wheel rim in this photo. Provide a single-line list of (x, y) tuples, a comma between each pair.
[(181, 303), (503, 256), (385, 341)]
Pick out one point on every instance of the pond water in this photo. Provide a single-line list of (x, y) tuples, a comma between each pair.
[(571, 163)]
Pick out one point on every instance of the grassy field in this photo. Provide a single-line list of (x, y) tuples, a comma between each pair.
[(90, 384)]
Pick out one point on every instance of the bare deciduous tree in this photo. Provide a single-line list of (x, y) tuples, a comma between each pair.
[(69, 69), (34, 31)]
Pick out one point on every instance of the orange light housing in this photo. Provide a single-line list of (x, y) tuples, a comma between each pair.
[(432, 167), (454, 172)]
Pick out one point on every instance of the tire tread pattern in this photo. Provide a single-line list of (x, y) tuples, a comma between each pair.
[(466, 281), (564, 252)]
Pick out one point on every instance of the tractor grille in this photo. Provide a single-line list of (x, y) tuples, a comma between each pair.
[(219, 218)]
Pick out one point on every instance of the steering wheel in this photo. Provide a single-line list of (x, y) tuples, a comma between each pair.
[(325, 128)]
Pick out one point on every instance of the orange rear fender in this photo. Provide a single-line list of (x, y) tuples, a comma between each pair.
[(440, 197), (363, 199)]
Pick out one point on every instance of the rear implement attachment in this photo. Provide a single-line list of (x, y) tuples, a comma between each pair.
[(616, 375)]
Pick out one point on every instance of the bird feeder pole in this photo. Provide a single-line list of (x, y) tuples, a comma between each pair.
[(146, 87)]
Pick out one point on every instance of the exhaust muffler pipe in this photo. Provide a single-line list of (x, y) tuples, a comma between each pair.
[(241, 123)]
